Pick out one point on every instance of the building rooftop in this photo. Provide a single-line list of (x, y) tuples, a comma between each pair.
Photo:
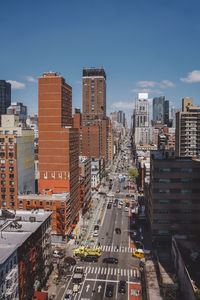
[(47, 197), (16, 227), (94, 72)]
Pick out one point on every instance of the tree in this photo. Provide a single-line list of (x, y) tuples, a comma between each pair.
[(133, 173)]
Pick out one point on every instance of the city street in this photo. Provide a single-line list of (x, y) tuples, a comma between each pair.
[(113, 245)]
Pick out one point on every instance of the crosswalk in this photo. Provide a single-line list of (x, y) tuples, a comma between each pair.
[(121, 249), (131, 273)]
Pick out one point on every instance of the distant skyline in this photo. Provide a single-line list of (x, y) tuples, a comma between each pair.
[(144, 46)]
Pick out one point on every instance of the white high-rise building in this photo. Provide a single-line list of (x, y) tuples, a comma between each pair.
[(142, 120)]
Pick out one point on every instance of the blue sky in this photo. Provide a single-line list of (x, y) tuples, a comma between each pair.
[(151, 46)]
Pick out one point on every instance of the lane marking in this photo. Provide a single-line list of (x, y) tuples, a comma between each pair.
[(105, 271)]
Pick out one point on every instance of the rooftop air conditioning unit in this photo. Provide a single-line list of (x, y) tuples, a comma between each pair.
[(32, 219)]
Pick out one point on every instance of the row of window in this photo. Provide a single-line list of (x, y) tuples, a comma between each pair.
[(176, 211), (11, 169), (10, 140), (11, 162), (3, 197), (4, 175), (162, 221), (175, 180), (3, 190), (177, 191), (10, 154), (2, 147), (3, 182), (175, 201), (28, 202), (182, 170)]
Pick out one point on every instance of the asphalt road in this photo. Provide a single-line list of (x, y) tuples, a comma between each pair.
[(98, 274)]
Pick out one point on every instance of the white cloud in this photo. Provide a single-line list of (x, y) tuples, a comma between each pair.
[(31, 79), (16, 85), (123, 105), (167, 83), (150, 84), (150, 91), (193, 76), (146, 84)]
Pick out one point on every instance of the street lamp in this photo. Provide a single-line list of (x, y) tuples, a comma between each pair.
[(140, 244)]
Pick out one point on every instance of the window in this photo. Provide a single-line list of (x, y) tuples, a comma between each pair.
[(2, 140), (11, 162), (11, 175), (3, 197), (164, 180), (165, 169), (10, 154), (2, 147), (3, 175), (12, 183), (11, 169), (2, 161), (163, 201), (3, 182), (28, 202), (62, 204), (10, 140), (3, 190), (11, 147), (40, 203), (11, 197), (12, 190), (164, 191), (2, 169), (186, 170), (47, 203), (186, 191), (2, 154)]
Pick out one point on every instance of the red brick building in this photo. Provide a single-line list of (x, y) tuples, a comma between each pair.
[(58, 141)]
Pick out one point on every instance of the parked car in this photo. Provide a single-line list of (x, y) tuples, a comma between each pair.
[(96, 227), (109, 290), (110, 260), (96, 233), (109, 206), (58, 254)]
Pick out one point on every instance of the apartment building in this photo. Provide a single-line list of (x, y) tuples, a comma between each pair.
[(16, 160), (172, 197), (58, 204), (58, 141), (94, 94), (26, 255), (85, 182), (188, 129)]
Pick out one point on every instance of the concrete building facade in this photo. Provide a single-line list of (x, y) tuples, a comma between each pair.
[(17, 160), (172, 197), (187, 137), (26, 256)]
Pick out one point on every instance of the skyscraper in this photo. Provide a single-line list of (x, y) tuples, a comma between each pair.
[(158, 109), (188, 130), (161, 110), (18, 109), (141, 125), (5, 96), (94, 94), (58, 141)]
